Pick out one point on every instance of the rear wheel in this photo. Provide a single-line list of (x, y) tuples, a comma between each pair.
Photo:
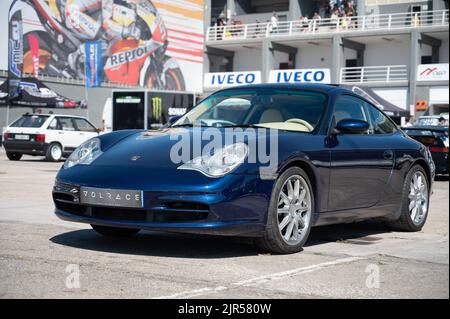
[(14, 156), (290, 213), (115, 231), (415, 202), (54, 152)]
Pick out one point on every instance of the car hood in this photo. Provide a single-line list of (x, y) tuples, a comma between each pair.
[(133, 155), (169, 148)]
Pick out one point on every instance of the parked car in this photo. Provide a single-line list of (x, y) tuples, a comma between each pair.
[(339, 159), (431, 120), (50, 135), (436, 139)]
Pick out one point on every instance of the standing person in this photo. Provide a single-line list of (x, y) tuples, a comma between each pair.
[(334, 18), (316, 19), (274, 23), (257, 28)]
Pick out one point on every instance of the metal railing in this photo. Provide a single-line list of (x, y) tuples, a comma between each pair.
[(365, 74), (64, 80), (386, 22)]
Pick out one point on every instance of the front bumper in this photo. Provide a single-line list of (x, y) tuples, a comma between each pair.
[(237, 208), (25, 147)]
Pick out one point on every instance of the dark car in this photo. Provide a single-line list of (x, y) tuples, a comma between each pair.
[(436, 139), (336, 159)]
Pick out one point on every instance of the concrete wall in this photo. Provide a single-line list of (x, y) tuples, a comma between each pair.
[(312, 56), (247, 59), (387, 53), (96, 96)]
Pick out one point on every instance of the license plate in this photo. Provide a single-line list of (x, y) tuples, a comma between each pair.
[(111, 197), (22, 137)]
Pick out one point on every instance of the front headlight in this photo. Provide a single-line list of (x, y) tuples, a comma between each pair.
[(221, 162), (85, 154)]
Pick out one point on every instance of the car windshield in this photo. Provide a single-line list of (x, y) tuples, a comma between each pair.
[(283, 109), (30, 121)]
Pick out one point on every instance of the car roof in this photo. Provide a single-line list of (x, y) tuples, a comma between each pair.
[(429, 117), (427, 127), (325, 88), (63, 115)]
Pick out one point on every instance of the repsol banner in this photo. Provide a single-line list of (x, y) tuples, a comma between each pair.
[(226, 79), (300, 76)]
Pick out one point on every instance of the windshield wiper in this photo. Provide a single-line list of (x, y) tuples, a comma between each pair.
[(183, 125), (242, 126)]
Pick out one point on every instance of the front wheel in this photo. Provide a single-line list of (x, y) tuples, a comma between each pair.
[(415, 202), (115, 231), (290, 213), (13, 156)]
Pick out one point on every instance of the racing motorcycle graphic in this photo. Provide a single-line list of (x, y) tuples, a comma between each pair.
[(136, 58)]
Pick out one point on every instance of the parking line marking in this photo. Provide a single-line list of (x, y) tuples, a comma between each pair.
[(262, 279)]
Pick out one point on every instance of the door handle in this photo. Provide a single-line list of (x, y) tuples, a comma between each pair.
[(388, 154)]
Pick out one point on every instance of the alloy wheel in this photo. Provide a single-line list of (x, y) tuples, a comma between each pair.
[(418, 198), (294, 209)]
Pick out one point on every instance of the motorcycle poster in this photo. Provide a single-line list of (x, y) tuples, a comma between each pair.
[(156, 44)]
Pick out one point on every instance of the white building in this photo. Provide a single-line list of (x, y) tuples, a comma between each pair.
[(399, 48)]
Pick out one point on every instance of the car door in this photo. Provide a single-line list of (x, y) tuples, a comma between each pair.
[(84, 129), (361, 164), (68, 133)]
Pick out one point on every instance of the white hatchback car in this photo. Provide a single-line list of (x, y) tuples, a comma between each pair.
[(51, 135)]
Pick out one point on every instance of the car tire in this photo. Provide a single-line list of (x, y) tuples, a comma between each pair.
[(54, 152), (115, 231), (14, 156), (414, 201), (284, 207)]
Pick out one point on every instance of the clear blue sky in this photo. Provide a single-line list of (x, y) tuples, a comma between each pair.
[(4, 7)]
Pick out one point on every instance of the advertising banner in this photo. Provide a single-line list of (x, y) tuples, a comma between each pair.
[(34, 50), (93, 54), (219, 80), (34, 93), (300, 76), (156, 44), (432, 72), (163, 106), (15, 51)]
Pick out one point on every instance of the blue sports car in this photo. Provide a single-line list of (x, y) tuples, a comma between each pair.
[(265, 161)]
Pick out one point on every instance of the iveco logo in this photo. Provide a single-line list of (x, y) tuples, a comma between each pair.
[(135, 158)]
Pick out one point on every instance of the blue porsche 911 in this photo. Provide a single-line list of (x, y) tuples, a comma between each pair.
[(265, 161)]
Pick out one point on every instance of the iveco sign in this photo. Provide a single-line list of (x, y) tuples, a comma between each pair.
[(226, 79), (300, 76)]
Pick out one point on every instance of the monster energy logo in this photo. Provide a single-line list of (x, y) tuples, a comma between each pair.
[(157, 108)]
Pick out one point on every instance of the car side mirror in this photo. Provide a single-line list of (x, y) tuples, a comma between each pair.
[(173, 119), (352, 126)]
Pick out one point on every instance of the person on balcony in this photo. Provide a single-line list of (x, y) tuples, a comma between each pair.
[(274, 23)]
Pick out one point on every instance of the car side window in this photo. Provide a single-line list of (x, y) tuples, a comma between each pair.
[(54, 125), (350, 107), (66, 124), (381, 123), (84, 126)]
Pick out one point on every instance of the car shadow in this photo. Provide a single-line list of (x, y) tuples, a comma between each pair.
[(362, 233), (160, 244), (441, 178)]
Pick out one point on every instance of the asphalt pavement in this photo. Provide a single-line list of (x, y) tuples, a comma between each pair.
[(44, 257)]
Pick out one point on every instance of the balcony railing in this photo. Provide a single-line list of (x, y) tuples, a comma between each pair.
[(385, 22), (371, 74)]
